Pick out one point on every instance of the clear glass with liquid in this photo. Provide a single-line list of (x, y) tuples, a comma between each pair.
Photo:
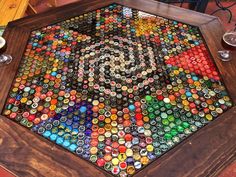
[(229, 44), (4, 58), (230, 39)]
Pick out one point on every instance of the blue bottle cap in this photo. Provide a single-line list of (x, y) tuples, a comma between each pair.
[(83, 109)]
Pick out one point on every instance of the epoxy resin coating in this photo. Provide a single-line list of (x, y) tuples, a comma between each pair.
[(116, 86)]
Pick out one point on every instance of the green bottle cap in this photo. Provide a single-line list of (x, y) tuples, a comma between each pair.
[(157, 112), (150, 109), (93, 158), (173, 132), (151, 116), (172, 125), (165, 122), (171, 118), (178, 121), (155, 106), (148, 98), (168, 105), (180, 129), (185, 124), (164, 115), (161, 103), (108, 166), (10, 106), (167, 136)]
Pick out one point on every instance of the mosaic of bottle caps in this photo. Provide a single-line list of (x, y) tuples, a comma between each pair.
[(116, 86)]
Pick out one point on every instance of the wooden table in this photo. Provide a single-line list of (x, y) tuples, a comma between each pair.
[(205, 153), (12, 10)]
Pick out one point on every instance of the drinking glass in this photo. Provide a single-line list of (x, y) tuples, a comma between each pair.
[(4, 58), (229, 44)]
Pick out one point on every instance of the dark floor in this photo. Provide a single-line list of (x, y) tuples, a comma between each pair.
[(230, 171)]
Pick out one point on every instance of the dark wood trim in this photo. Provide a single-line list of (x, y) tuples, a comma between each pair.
[(16, 38), (205, 153), (212, 33)]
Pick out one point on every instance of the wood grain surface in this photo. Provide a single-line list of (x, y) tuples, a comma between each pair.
[(205, 153), (16, 38), (212, 33), (12, 10)]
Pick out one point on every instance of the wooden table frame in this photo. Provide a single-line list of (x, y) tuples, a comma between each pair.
[(205, 153)]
